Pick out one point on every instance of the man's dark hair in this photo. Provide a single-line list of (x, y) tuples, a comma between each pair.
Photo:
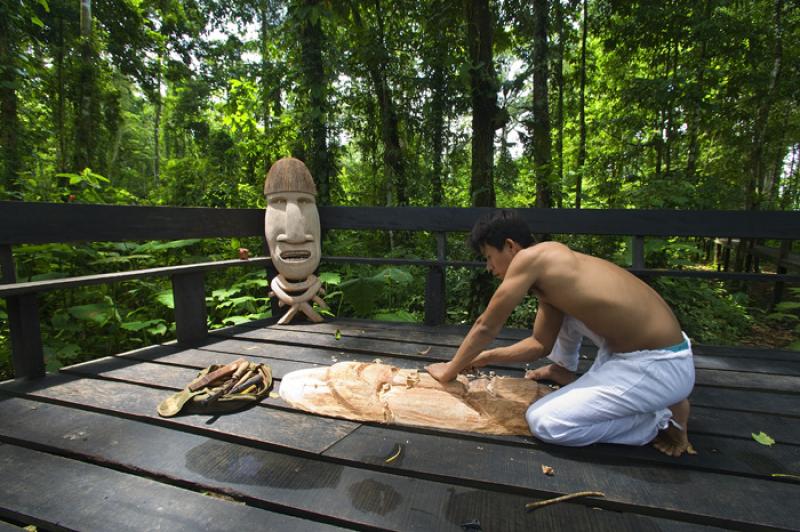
[(493, 228)]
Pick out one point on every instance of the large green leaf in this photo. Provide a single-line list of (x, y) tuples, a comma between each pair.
[(99, 313), (236, 320), (237, 301), (397, 315), (330, 278), (362, 294), (139, 325), (166, 298), (224, 293), (120, 259)]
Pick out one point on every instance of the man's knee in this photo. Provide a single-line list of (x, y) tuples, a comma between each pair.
[(547, 427)]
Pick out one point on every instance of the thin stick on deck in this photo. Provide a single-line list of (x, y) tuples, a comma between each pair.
[(547, 502)]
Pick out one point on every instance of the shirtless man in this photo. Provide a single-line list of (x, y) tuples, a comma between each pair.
[(635, 392)]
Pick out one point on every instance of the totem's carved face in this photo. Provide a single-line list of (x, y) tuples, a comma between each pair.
[(293, 233)]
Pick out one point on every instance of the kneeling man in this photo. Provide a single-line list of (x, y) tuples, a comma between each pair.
[(635, 392)]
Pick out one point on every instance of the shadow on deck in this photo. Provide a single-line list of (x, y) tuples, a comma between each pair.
[(85, 449)]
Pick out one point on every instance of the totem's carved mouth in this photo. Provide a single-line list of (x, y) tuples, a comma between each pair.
[(295, 255)]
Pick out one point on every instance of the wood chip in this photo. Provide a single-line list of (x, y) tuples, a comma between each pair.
[(424, 351), (547, 470)]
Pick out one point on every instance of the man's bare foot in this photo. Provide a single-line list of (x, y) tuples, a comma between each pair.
[(552, 372), (674, 440)]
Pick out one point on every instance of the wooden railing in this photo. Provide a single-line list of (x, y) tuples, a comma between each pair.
[(37, 223)]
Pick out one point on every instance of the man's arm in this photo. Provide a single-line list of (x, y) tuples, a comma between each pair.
[(539, 344), (520, 277)]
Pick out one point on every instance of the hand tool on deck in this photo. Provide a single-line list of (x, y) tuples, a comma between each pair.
[(223, 372)]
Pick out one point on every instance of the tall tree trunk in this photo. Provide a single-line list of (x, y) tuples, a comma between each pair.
[(315, 126), (669, 130), (582, 109), (84, 126), (265, 65), (560, 108), (694, 118), (757, 164), (393, 163), (541, 108), (483, 90), (438, 90), (157, 123), (8, 108), (61, 132)]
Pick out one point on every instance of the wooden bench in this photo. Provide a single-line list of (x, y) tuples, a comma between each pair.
[(84, 449)]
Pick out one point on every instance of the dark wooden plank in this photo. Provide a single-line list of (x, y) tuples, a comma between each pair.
[(722, 444), (205, 356), (426, 337), (726, 501), (760, 353), (264, 425), (55, 492), (453, 334), (747, 224), (28, 222), (343, 494), (746, 400), (289, 358), (397, 350), (37, 223)]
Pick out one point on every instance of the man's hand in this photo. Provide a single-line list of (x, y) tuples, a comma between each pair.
[(441, 371)]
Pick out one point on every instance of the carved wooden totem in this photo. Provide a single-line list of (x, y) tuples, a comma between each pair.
[(292, 229)]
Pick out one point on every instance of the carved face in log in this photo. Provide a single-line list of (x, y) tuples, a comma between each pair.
[(292, 221)]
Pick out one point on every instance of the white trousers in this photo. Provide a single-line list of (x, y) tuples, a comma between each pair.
[(623, 398)]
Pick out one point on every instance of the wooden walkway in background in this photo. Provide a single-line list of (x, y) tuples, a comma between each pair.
[(85, 449)]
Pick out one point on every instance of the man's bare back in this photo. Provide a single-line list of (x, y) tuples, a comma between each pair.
[(609, 300)]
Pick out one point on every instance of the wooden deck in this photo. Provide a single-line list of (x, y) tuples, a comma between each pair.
[(85, 449)]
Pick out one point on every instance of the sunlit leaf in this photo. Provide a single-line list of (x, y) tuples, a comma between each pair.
[(237, 301), (763, 439), (166, 298), (99, 313), (224, 293), (330, 278), (236, 320)]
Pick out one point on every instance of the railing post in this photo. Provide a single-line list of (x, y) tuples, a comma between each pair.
[(777, 293), (27, 354), (188, 290), (638, 252), (435, 289)]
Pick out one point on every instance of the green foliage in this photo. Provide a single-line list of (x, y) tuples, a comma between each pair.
[(706, 310), (370, 295), (786, 315)]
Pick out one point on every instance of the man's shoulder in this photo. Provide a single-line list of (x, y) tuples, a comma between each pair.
[(546, 252)]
